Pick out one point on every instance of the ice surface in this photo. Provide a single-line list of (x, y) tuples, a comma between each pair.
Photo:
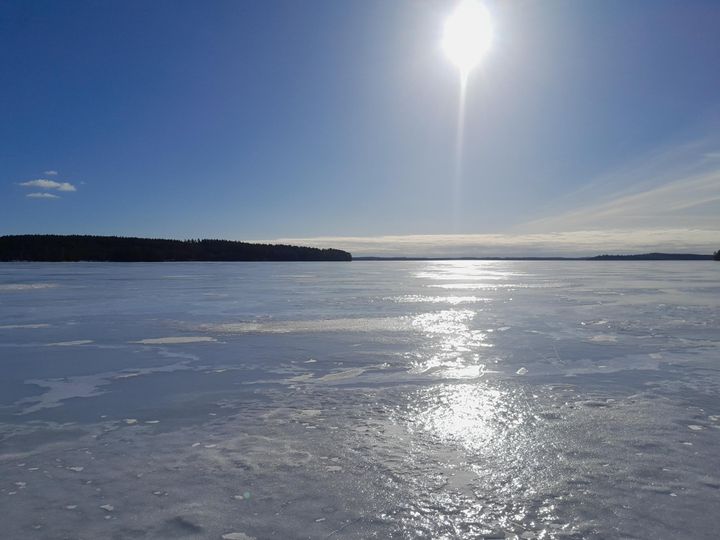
[(363, 400)]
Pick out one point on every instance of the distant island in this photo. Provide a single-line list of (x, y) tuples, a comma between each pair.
[(60, 248), (639, 257), (654, 257)]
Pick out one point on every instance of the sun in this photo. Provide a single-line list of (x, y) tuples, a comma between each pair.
[(467, 35)]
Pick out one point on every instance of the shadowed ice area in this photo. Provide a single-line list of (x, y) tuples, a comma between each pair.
[(526, 400)]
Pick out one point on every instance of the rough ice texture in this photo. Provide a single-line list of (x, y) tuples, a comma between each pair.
[(569, 400)]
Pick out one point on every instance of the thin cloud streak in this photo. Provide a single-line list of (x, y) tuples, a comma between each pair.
[(675, 186), (689, 202), (41, 196)]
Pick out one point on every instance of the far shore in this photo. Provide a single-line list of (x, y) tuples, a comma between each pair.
[(638, 257)]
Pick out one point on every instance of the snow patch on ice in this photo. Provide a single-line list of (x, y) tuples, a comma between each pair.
[(22, 326), (378, 324), (173, 340), (26, 286), (603, 338), (341, 375)]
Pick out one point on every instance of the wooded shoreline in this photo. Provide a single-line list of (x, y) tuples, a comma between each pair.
[(61, 248)]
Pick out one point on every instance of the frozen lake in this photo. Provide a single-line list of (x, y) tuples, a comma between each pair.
[(360, 400)]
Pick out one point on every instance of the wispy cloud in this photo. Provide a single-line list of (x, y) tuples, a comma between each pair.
[(44, 183), (50, 173), (674, 187), (686, 202), (42, 196), (667, 202)]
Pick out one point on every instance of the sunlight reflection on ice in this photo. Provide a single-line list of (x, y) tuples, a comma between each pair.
[(444, 322), (453, 337), (465, 270), (452, 300), (492, 286), (476, 416)]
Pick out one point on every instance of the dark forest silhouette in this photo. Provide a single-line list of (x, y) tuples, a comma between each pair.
[(47, 247)]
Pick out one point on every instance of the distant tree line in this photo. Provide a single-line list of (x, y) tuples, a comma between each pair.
[(50, 247), (716, 255), (653, 257)]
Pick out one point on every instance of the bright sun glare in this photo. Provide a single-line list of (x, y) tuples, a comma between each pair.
[(468, 35)]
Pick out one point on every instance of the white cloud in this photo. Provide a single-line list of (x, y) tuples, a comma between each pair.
[(42, 196), (50, 173), (44, 183)]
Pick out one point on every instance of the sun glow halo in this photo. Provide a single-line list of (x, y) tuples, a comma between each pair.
[(467, 35)]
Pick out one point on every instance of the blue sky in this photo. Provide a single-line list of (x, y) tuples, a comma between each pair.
[(589, 125)]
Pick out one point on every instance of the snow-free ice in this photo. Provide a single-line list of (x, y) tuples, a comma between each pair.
[(360, 400)]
